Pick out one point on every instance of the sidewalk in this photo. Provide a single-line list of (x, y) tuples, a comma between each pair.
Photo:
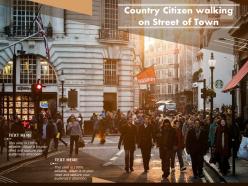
[(241, 170)]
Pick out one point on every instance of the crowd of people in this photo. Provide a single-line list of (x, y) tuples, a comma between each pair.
[(183, 135), (191, 135)]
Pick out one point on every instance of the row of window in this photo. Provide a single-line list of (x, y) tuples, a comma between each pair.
[(167, 73), (30, 67), (163, 60), (167, 89), (24, 12)]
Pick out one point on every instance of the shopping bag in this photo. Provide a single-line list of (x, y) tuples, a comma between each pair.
[(81, 143), (58, 135), (243, 149)]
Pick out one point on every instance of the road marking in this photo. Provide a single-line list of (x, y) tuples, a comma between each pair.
[(208, 177), (120, 152), (99, 147), (28, 163), (6, 180), (107, 164), (100, 180), (115, 157)]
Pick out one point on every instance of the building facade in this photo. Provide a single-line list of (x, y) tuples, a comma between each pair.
[(88, 53)]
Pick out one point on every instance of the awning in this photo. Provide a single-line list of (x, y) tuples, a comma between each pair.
[(237, 78), (148, 76)]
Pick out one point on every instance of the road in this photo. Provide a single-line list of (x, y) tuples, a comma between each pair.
[(102, 163)]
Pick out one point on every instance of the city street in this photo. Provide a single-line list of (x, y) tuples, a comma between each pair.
[(104, 162)]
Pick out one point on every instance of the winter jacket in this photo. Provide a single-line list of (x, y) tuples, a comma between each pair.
[(128, 136)]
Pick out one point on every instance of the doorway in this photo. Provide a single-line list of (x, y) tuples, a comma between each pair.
[(110, 102)]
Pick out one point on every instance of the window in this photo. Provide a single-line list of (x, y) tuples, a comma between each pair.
[(110, 72), (23, 16), (111, 14), (169, 89), (48, 75), (176, 88), (164, 89), (6, 76), (170, 72), (28, 69)]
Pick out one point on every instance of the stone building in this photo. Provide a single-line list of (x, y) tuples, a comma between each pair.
[(88, 53)]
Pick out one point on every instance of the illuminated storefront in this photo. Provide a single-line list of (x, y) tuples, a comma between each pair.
[(29, 68)]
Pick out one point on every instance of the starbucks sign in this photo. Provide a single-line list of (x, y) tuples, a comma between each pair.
[(219, 84)]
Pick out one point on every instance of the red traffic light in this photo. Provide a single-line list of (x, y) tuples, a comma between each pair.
[(39, 86)]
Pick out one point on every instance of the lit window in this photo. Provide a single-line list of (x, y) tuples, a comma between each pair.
[(28, 69), (48, 75), (6, 76)]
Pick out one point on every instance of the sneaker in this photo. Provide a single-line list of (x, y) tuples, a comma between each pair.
[(183, 169)]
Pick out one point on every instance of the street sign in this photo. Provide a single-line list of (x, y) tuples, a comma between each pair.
[(44, 104), (219, 84)]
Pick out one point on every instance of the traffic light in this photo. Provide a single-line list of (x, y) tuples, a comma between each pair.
[(203, 93), (37, 90)]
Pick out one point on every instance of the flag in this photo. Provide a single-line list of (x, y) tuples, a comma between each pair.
[(147, 76), (42, 33)]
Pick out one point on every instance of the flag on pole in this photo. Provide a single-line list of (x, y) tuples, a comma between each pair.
[(42, 32), (147, 76)]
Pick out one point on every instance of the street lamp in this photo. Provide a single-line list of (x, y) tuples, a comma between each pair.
[(211, 64), (62, 80)]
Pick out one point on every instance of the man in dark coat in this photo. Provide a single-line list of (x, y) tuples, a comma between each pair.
[(129, 139), (197, 147), (166, 144), (145, 141)]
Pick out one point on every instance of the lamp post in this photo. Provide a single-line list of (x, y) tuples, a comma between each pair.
[(62, 80), (211, 64)]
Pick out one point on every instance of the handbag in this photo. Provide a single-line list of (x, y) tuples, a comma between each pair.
[(81, 143), (243, 149)]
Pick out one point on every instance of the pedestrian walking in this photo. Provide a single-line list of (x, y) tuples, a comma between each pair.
[(223, 146), (75, 134), (166, 144), (48, 133), (61, 131), (3, 133), (178, 147), (17, 129), (211, 139), (197, 147), (95, 120), (145, 141), (128, 138)]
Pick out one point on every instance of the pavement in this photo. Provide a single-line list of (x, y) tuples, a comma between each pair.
[(241, 170), (102, 163)]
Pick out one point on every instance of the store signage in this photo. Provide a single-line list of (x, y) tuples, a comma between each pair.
[(24, 88), (44, 104), (219, 84)]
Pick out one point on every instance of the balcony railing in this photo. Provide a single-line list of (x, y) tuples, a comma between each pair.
[(19, 31), (113, 36)]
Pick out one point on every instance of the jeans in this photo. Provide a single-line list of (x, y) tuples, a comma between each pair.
[(179, 154), (146, 155), (197, 164), (74, 139), (129, 157)]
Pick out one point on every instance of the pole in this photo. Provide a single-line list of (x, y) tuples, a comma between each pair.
[(233, 137), (14, 83), (212, 99), (204, 99), (62, 110)]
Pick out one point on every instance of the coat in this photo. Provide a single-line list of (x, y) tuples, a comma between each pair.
[(220, 150), (211, 134), (196, 145), (145, 136), (167, 140), (179, 139), (128, 137)]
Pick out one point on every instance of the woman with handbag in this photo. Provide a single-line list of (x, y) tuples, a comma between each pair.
[(75, 134)]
